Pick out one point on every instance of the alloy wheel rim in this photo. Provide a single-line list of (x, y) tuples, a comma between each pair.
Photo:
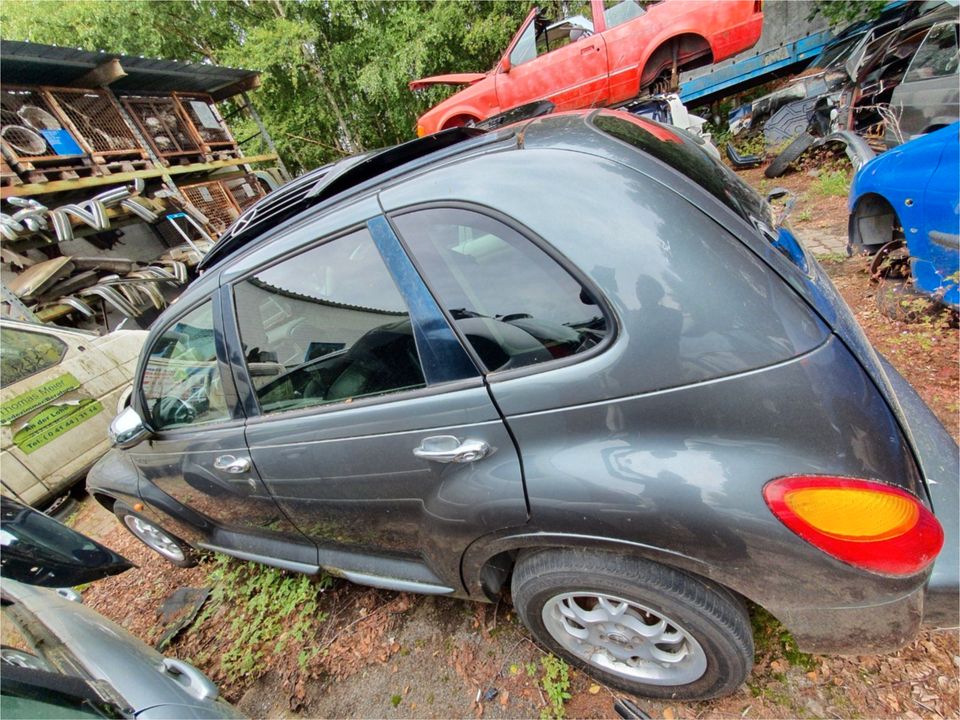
[(624, 638), (154, 537)]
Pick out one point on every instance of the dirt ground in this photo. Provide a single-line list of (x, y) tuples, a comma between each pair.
[(281, 646)]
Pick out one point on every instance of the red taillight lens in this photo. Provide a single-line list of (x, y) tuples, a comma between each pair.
[(868, 524)]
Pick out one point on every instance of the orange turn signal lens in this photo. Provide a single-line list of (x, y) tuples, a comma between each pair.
[(855, 514), (865, 523), (421, 130)]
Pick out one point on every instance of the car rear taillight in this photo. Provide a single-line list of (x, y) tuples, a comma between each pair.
[(861, 522)]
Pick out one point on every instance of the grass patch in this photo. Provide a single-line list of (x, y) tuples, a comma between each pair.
[(832, 258), (832, 183), (556, 684), (262, 610)]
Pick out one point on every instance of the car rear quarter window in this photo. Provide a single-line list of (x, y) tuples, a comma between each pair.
[(514, 304), (327, 325), (181, 384), (24, 353)]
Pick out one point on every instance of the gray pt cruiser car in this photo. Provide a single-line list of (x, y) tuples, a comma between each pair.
[(575, 358)]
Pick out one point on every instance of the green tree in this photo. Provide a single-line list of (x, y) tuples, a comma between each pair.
[(841, 12), (334, 72)]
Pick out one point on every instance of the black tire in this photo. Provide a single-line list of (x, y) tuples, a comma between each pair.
[(126, 514), (793, 151), (715, 618)]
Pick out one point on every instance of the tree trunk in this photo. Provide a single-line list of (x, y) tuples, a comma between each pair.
[(346, 141)]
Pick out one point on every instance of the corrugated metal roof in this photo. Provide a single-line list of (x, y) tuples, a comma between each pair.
[(27, 63)]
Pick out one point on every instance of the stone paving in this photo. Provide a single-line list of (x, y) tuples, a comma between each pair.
[(819, 242)]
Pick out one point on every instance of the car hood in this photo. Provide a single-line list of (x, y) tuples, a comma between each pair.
[(451, 79), (111, 657)]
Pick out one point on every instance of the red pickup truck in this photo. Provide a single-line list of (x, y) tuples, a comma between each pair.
[(603, 57)]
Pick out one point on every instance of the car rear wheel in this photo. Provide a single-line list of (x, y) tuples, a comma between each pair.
[(635, 625), (168, 546)]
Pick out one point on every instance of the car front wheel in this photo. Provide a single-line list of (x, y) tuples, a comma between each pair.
[(634, 624), (156, 538)]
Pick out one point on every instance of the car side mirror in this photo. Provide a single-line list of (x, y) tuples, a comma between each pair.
[(505, 64), (127, 429), (779, 192)]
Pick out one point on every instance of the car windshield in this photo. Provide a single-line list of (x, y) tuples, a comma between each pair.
[(39, 676)]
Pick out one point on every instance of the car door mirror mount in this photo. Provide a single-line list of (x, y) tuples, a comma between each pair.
[(127, 429)]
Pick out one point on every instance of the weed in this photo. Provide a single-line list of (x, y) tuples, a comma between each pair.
[(755, 145), (804, 215), (770, 636), (833, 182), (265, 609), (556, 684), (832, 258), (531, 668), (396, 700)]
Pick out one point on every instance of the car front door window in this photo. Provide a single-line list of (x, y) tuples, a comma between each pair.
[(182, 385), (526, 48), (326, 326)]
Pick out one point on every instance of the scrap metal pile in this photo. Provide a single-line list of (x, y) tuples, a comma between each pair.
[(875, 86)]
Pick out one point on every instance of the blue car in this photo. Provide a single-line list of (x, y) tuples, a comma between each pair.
[(912, 194)]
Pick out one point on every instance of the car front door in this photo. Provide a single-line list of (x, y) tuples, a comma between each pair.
[(935, 252), (368, 422), (557, 62), (196, 461)]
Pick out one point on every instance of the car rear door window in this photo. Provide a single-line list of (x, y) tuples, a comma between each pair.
[(514, 304), (182, 385), (327, 325)]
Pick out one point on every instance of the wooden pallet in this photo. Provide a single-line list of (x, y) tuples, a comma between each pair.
[(114, 166), (8, 177), (191, 159), (226, 154), (62, 172)]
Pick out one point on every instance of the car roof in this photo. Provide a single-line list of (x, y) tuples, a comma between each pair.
[(568, 131), (311, 190)]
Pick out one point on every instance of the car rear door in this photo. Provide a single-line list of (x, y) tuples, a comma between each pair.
[(368, 422)]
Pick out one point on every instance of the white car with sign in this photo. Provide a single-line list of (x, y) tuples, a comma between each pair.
[(59, 390)]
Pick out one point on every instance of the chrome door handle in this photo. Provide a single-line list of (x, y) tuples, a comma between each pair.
[(449, 449), (231, 464)]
